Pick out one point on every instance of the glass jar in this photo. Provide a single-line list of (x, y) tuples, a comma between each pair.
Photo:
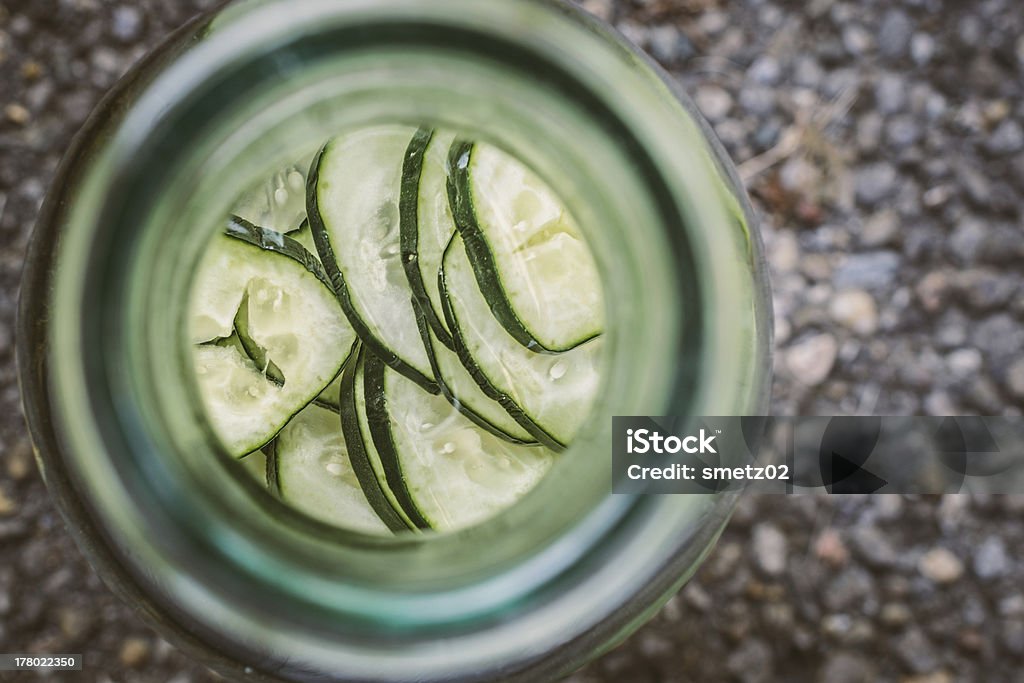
[(255, 589)]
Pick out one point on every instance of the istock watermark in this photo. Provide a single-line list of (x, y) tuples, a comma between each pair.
[(764, 454)]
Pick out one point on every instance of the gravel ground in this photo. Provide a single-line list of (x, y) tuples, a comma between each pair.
[(883, 145)]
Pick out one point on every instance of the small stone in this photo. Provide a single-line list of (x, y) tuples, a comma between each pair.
[(856, 40), (31, 70), (127, 24), (765, 70), (934, 677), (847, 668), (965, 363), (769, 545), (853, 587), (1000, 338), (922, 48), (751, 662), (1015, 379), (940, 566), (874, 546), (811, 361), (8, 506), (895, 34), (714, 102), (968, 240), (74, 623), (903, 131), (875, 182), (855, 310), (991, 560), (669, 45), (830, 548), (891, 94), (917, 652), (1007, 139), (940, 404), (896, 614), (17, 114), (19, 460), (933, 290), (134, 652), (881, 229), (871, 270)]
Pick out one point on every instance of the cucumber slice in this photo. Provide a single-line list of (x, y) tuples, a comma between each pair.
[(528, 254), (352, 199), (462, 391), (427, 224), (279, 203), (426, 228), (453, 473), (291, 314), (366, 462), (316, 475), (549, 395)]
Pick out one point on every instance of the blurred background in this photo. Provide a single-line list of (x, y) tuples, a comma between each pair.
[(883, 144)]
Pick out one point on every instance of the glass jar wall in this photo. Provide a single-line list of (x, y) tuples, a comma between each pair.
[(256, 588)]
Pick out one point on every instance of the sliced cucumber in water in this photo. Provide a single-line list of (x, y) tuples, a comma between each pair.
[(549, 395), (462, 391), (316, 476), (426, 228), (427, 224), (291, 315), (366, 461), (528, 254), (451, 472), (353, 207)]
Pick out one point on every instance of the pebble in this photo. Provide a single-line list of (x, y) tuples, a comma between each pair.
[(714, 102), (769, 545), (127, 23), (941, 566), (895, 34), (871, 270), (916, 651), (811, 360), (8, 506), (751, 662), (991, 559), (845, 667), (881, 229), (875, 183), (134, 652), (965, 363), (891, 94), (831, 549), (1007, 139), (17, 114), (874, 546), (1015, 379), (855, 310), (922, 48)]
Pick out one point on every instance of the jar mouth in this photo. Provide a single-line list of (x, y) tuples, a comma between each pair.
[(253, 94)]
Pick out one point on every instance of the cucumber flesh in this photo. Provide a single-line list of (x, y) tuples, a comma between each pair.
[(527, 252), (291, 315), (549, 395), (353, 207), (454, 473), (315, 473)]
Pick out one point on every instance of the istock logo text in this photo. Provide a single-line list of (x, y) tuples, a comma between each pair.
[(643, 441)]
